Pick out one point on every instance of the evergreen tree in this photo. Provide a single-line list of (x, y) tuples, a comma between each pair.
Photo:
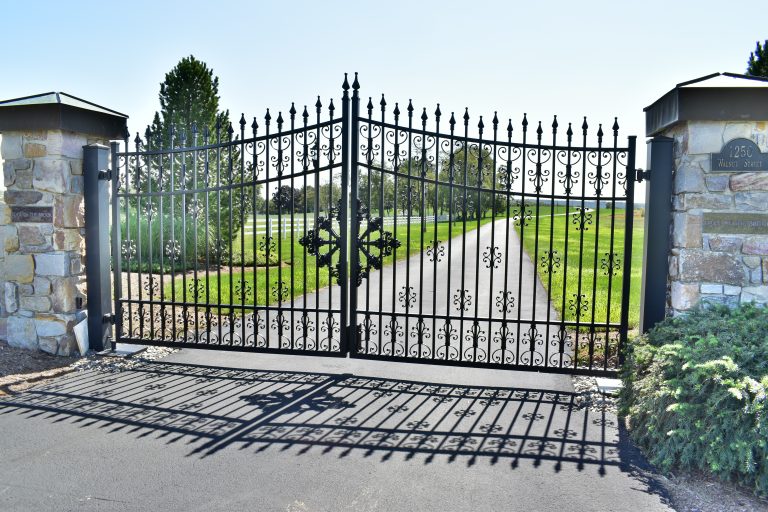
[(189, 116), (758, 60)]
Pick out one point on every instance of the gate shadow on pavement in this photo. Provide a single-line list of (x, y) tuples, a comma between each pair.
[(213, 409)]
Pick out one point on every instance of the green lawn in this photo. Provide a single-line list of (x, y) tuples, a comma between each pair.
[(261, 284), (581, 253)]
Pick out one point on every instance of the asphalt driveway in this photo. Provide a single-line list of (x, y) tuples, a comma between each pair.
[(207, 430)]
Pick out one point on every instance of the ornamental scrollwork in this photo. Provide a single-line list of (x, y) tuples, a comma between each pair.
[(384, 245), (323, 235)]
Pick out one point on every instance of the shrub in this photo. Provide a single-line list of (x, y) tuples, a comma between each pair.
[(695, 393), (184, 248)]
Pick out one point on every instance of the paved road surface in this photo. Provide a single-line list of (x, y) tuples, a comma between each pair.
[(257, 432)]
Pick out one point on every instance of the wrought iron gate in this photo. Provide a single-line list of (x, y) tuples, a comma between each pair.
[(385, 234)]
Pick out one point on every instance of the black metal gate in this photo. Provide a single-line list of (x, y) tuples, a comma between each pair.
[(387, 234)]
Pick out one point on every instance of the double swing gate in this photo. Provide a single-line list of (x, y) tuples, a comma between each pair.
[(401, 235)]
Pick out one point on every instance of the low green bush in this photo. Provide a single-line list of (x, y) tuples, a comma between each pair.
[(695, 393), (176, 247)]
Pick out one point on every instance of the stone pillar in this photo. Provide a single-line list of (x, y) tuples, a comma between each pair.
[(42, 222), (718, 254)]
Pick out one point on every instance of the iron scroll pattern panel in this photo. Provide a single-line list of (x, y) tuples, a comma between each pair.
[(207, 243), (513, 253)]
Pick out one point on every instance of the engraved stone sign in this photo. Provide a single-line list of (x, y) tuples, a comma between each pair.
[(31, 213), (739, 155), (735, 223)]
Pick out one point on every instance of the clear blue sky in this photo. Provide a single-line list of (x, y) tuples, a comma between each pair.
[(570, 58)]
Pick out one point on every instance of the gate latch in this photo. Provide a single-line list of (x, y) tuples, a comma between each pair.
[(641, 174), (109, 318), (105, 175)]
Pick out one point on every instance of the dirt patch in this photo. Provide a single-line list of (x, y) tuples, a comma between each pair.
[(693, 492), (19, 367), (688, 491), (24, 369)]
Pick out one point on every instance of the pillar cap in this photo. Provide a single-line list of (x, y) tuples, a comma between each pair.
[(714, 97), (61, 111)]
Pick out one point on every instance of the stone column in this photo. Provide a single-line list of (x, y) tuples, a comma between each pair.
[(42, 222), (717, 253)]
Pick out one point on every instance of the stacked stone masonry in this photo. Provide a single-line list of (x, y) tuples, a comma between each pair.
[(728, 268), (42, 273)]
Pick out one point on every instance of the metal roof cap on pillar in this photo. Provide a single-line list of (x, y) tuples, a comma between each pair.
[(715, 97), (61, 111)]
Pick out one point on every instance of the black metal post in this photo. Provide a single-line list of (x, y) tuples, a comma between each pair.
[(97, 268), (344, 216), (658, 219), (629, 218), (354, 234)]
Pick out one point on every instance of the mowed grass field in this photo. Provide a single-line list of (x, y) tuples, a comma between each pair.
[(298, 272), (584, 261), (586, 268)]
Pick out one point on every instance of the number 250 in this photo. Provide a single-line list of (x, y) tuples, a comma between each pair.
[(741, 152)]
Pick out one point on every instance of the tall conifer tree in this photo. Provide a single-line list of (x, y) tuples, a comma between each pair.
[(757, 65), (189, 109)]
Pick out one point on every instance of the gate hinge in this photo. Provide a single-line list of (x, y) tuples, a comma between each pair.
[(641, 175), (109, 318), (105, 175)]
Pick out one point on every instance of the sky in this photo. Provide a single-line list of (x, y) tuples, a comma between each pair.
[(564, 58)]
